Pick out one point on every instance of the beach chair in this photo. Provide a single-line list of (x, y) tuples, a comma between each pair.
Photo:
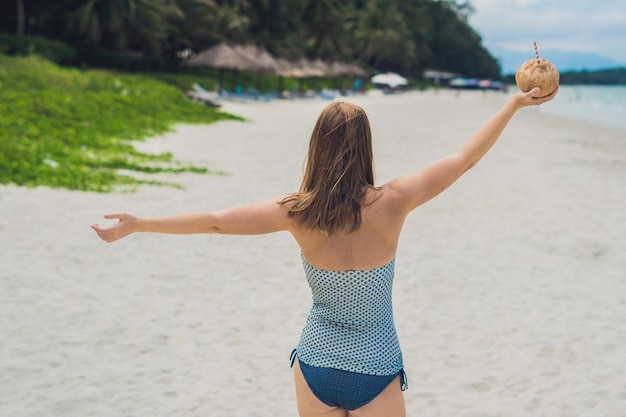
[(203, 96), (236, 95), (255, 94)]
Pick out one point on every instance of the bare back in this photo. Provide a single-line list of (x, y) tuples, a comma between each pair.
[(372, 245)]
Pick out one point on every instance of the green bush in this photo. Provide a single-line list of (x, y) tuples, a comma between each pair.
[(74, 129), (52, 50)]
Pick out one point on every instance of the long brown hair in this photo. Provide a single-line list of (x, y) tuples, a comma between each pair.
[(339, 171)]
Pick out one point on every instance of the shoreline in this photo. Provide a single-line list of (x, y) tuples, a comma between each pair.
[(597, 104), (508, 293)]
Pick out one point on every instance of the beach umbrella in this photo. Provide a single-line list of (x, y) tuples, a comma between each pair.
[(286, 68), (310, 68), (222, 56), (390, 79), (259, 59), (343, 70), (262, 62), (300, 68), (339, 69), (356, 70), (236, 58), (294, 69), (321, 66)]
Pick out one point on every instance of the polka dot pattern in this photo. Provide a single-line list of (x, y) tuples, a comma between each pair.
[(350, 325)]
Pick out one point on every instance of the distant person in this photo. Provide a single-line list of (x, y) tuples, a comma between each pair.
[(348, 361)]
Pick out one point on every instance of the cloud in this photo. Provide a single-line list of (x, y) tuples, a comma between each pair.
[(574, 25)]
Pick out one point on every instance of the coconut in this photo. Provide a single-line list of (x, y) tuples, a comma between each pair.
[(537, 73)]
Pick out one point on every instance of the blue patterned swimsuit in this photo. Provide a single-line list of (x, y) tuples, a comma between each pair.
[(350, 330)]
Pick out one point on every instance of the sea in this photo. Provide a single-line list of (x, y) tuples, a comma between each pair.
[(603, 105)]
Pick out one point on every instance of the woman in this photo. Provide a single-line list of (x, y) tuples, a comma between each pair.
[(348, 361)]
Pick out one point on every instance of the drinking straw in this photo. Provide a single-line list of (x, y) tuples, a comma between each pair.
[(537, 53)]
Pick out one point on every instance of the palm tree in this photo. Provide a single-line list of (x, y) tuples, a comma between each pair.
[(324, 23), (383, 37), (417, 15), (457, 44), (20, 17), (190, 27), (231, 20), (119, 25)]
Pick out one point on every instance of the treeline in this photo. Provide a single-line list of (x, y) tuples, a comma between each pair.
[(406, 36), (614, 76)]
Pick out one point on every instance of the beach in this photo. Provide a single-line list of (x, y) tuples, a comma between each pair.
[(509, 296)]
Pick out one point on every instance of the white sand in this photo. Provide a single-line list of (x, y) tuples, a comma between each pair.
[(510, 297)]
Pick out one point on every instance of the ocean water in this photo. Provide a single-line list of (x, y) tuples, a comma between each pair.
[(604, 105)]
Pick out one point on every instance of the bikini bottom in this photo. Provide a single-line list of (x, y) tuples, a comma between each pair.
[(348, 390)]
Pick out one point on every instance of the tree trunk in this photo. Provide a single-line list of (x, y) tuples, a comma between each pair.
[(20, 17)]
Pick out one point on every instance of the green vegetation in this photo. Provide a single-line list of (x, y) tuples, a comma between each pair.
[(74, 129), (52, 50), (405, 36), (616, 76)]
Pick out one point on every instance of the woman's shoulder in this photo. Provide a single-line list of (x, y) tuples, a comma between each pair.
[(384, 196), (401, 193), (383, 205)]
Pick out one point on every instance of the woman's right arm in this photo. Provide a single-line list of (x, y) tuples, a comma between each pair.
[(252, 219), (419, 187)]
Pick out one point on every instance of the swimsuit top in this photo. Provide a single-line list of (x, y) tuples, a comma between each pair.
[(350, 326)]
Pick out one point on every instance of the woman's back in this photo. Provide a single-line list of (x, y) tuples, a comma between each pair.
[(371, 245)]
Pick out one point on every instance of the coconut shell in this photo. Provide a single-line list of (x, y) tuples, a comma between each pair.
[(542, 74)]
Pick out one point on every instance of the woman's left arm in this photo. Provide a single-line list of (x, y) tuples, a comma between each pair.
[(252, 219)]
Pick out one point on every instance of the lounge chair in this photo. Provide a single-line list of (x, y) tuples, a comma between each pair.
[(203, 96)]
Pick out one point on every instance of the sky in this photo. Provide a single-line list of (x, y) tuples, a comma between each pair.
[(583, 26)]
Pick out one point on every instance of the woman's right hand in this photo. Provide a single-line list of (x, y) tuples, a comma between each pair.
[(125, 225), (530, 98)]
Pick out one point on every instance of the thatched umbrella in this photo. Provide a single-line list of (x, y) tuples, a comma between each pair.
[(221, 56), (311, 69), (288, 68), (304, 68), (244, 58), (339, 69), (342, 71), (322, 66), (261, 60), (355, 70), (299, 69)]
